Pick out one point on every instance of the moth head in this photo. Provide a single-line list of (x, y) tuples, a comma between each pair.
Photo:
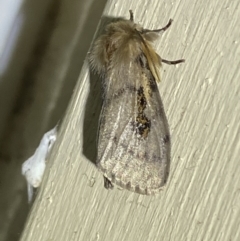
[(122, 42), (118, 45)]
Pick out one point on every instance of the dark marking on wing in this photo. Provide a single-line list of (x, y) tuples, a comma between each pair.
[(146, 156), (131, 152), (143, 124), (118, 93)]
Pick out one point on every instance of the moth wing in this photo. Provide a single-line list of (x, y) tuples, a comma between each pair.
[(132, 154)]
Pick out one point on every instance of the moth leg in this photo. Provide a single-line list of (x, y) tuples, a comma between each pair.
[(131, 15), (173, 62), (158, 30), (107, 183)]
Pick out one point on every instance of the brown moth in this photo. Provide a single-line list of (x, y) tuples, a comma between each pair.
[(133, 140)]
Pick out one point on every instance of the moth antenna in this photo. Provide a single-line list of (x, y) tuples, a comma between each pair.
[(159, 30), (131, 15)]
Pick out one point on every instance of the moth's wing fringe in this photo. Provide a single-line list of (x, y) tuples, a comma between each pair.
[(131, 188)]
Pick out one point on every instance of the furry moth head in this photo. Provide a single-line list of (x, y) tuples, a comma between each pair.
[(123, 42)]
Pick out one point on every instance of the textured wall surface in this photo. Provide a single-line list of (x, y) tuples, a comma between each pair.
[(202, 102)]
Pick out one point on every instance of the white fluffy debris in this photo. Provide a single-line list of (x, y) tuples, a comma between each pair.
[(33, 168)]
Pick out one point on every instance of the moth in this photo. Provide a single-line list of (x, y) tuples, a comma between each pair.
[(133, 139)]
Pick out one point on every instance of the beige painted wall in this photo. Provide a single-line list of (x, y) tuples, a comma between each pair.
[(202, 102)]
